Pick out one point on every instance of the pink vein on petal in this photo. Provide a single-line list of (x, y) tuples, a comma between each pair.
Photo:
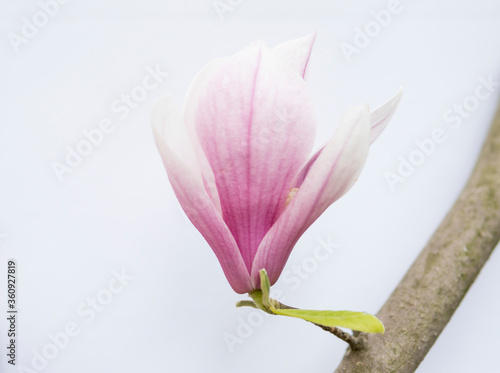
[(248, 256), (307, 60)]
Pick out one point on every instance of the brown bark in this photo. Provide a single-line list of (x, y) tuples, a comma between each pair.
[(432, 289)]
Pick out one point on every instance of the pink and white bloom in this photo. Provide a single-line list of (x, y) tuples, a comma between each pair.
[(239, 156)]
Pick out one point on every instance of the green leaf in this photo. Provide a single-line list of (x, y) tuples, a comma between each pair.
[(246, 303), (360, 321), (265, 286)]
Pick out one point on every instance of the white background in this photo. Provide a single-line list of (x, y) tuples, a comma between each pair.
[(116, 210)]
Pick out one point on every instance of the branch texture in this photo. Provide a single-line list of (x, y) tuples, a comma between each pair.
[(432, 289)]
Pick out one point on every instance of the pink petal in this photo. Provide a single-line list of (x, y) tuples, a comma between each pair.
[(299, 179), (183, 172), (198, 83), (380, 117), (255, 123), (297, 52), (334, 172)]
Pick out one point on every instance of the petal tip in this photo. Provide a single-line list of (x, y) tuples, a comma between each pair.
[(297, 52), (380, 117)]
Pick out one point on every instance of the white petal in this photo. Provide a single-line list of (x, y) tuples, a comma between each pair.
[(380, 117), (297, 52)]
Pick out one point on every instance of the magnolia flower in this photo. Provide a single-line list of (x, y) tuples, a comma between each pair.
[(239, 156)]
